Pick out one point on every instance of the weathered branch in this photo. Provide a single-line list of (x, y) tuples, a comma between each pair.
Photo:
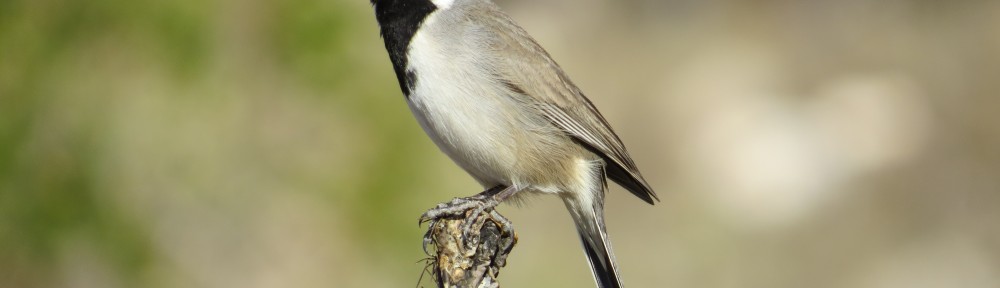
[(469, 252)]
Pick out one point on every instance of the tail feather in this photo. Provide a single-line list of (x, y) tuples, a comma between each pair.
[(600, 255), (587, 210)]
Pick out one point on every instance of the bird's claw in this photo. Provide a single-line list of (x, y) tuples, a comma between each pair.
[(508, 237), (458, 207), (472, 210)]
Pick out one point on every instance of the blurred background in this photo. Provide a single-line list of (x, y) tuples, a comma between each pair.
[(191, 143)]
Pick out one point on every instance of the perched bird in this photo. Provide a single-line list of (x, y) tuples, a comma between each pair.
[(497, 104)]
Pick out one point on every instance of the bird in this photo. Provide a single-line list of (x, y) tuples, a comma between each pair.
[(496, 103)]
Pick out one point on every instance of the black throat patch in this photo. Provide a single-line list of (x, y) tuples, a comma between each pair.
[(399, 20)]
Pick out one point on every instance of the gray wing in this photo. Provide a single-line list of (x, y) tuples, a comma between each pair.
[(601, 140), (526, 68)]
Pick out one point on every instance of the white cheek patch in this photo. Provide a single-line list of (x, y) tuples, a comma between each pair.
[(443, 4)]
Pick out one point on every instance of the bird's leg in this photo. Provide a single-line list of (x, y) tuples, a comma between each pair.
[(472, 210), (459, 206)]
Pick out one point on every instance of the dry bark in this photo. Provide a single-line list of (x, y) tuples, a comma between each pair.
[(469, 252)]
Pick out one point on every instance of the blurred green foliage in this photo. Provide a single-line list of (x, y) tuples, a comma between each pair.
[(53, 158), (48, 195)]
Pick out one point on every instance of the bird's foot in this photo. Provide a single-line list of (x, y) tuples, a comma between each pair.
[(471, 214), (469, 207), (507, 238), (472, 209), (486, 238), (460, 207)]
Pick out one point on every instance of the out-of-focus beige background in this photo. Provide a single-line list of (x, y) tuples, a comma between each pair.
[(191, 143)]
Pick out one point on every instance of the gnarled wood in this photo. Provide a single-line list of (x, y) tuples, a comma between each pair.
[(469, 252)]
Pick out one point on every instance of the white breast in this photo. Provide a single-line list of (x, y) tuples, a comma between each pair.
[(460, 106)]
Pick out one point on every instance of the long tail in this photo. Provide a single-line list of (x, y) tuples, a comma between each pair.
[(588, 214)]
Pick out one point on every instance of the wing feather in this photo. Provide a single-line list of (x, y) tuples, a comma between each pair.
[(621, 168), (524, 67)]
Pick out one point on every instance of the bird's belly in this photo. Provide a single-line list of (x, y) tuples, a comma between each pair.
[(474, 135), (499, 143)]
